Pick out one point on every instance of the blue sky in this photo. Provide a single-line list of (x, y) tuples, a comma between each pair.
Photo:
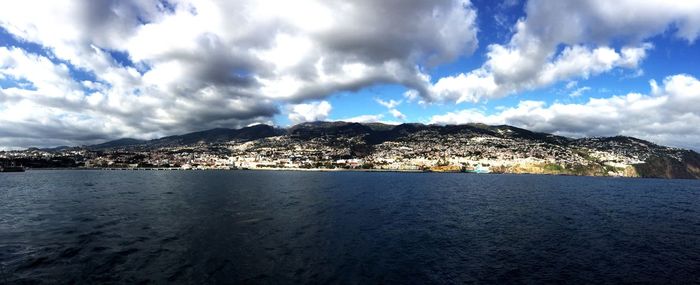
[(80, 72)]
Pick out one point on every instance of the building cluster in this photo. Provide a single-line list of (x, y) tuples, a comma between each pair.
[(418, 151)]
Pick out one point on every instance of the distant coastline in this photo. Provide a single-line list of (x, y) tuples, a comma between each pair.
[(247, 169), (343, 146), (146, 169)]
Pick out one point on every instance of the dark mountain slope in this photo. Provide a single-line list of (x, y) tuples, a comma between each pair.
[(125, 142), (218, 135)]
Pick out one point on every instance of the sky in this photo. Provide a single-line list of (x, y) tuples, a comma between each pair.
[(78, 72)]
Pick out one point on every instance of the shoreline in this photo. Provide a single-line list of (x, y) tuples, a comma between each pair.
[(238, 169), (334, 170), (348, 170)]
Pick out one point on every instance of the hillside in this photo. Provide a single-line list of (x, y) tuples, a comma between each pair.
[(501, 149)]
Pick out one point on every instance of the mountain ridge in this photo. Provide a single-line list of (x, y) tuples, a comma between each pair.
[(307, 130), (310, 129)]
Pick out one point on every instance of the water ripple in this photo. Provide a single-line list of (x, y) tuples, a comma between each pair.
[(347, 227)]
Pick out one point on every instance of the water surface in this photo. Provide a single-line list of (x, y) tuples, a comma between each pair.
[(344, 227)]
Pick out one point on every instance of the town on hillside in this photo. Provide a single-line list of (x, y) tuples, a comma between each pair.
[(350, 146)]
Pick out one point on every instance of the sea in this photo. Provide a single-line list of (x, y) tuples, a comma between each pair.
[(290, 227)]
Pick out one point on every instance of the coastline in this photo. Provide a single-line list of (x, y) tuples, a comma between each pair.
[(339, 170), (239, 169), (348, 170)]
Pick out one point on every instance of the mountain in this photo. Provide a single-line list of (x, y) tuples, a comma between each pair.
[(320, 129), (657, 161), (218, 135), (54, 149), (125, 142), (504, 148)]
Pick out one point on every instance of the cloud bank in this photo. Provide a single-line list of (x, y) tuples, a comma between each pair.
[(564, 40), (149, 68)]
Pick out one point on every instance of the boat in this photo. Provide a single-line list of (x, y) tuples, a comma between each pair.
[(482, 169), (11, 169), (479, 169)]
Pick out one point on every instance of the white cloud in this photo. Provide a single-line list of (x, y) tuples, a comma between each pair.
[(309, 112), (211, 63), (370, 118), (469, 87), (391, 104), (578, 92), (570, 22), (533, 57), (397, 114), (364, 119), (510, 70), (668, 115)]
